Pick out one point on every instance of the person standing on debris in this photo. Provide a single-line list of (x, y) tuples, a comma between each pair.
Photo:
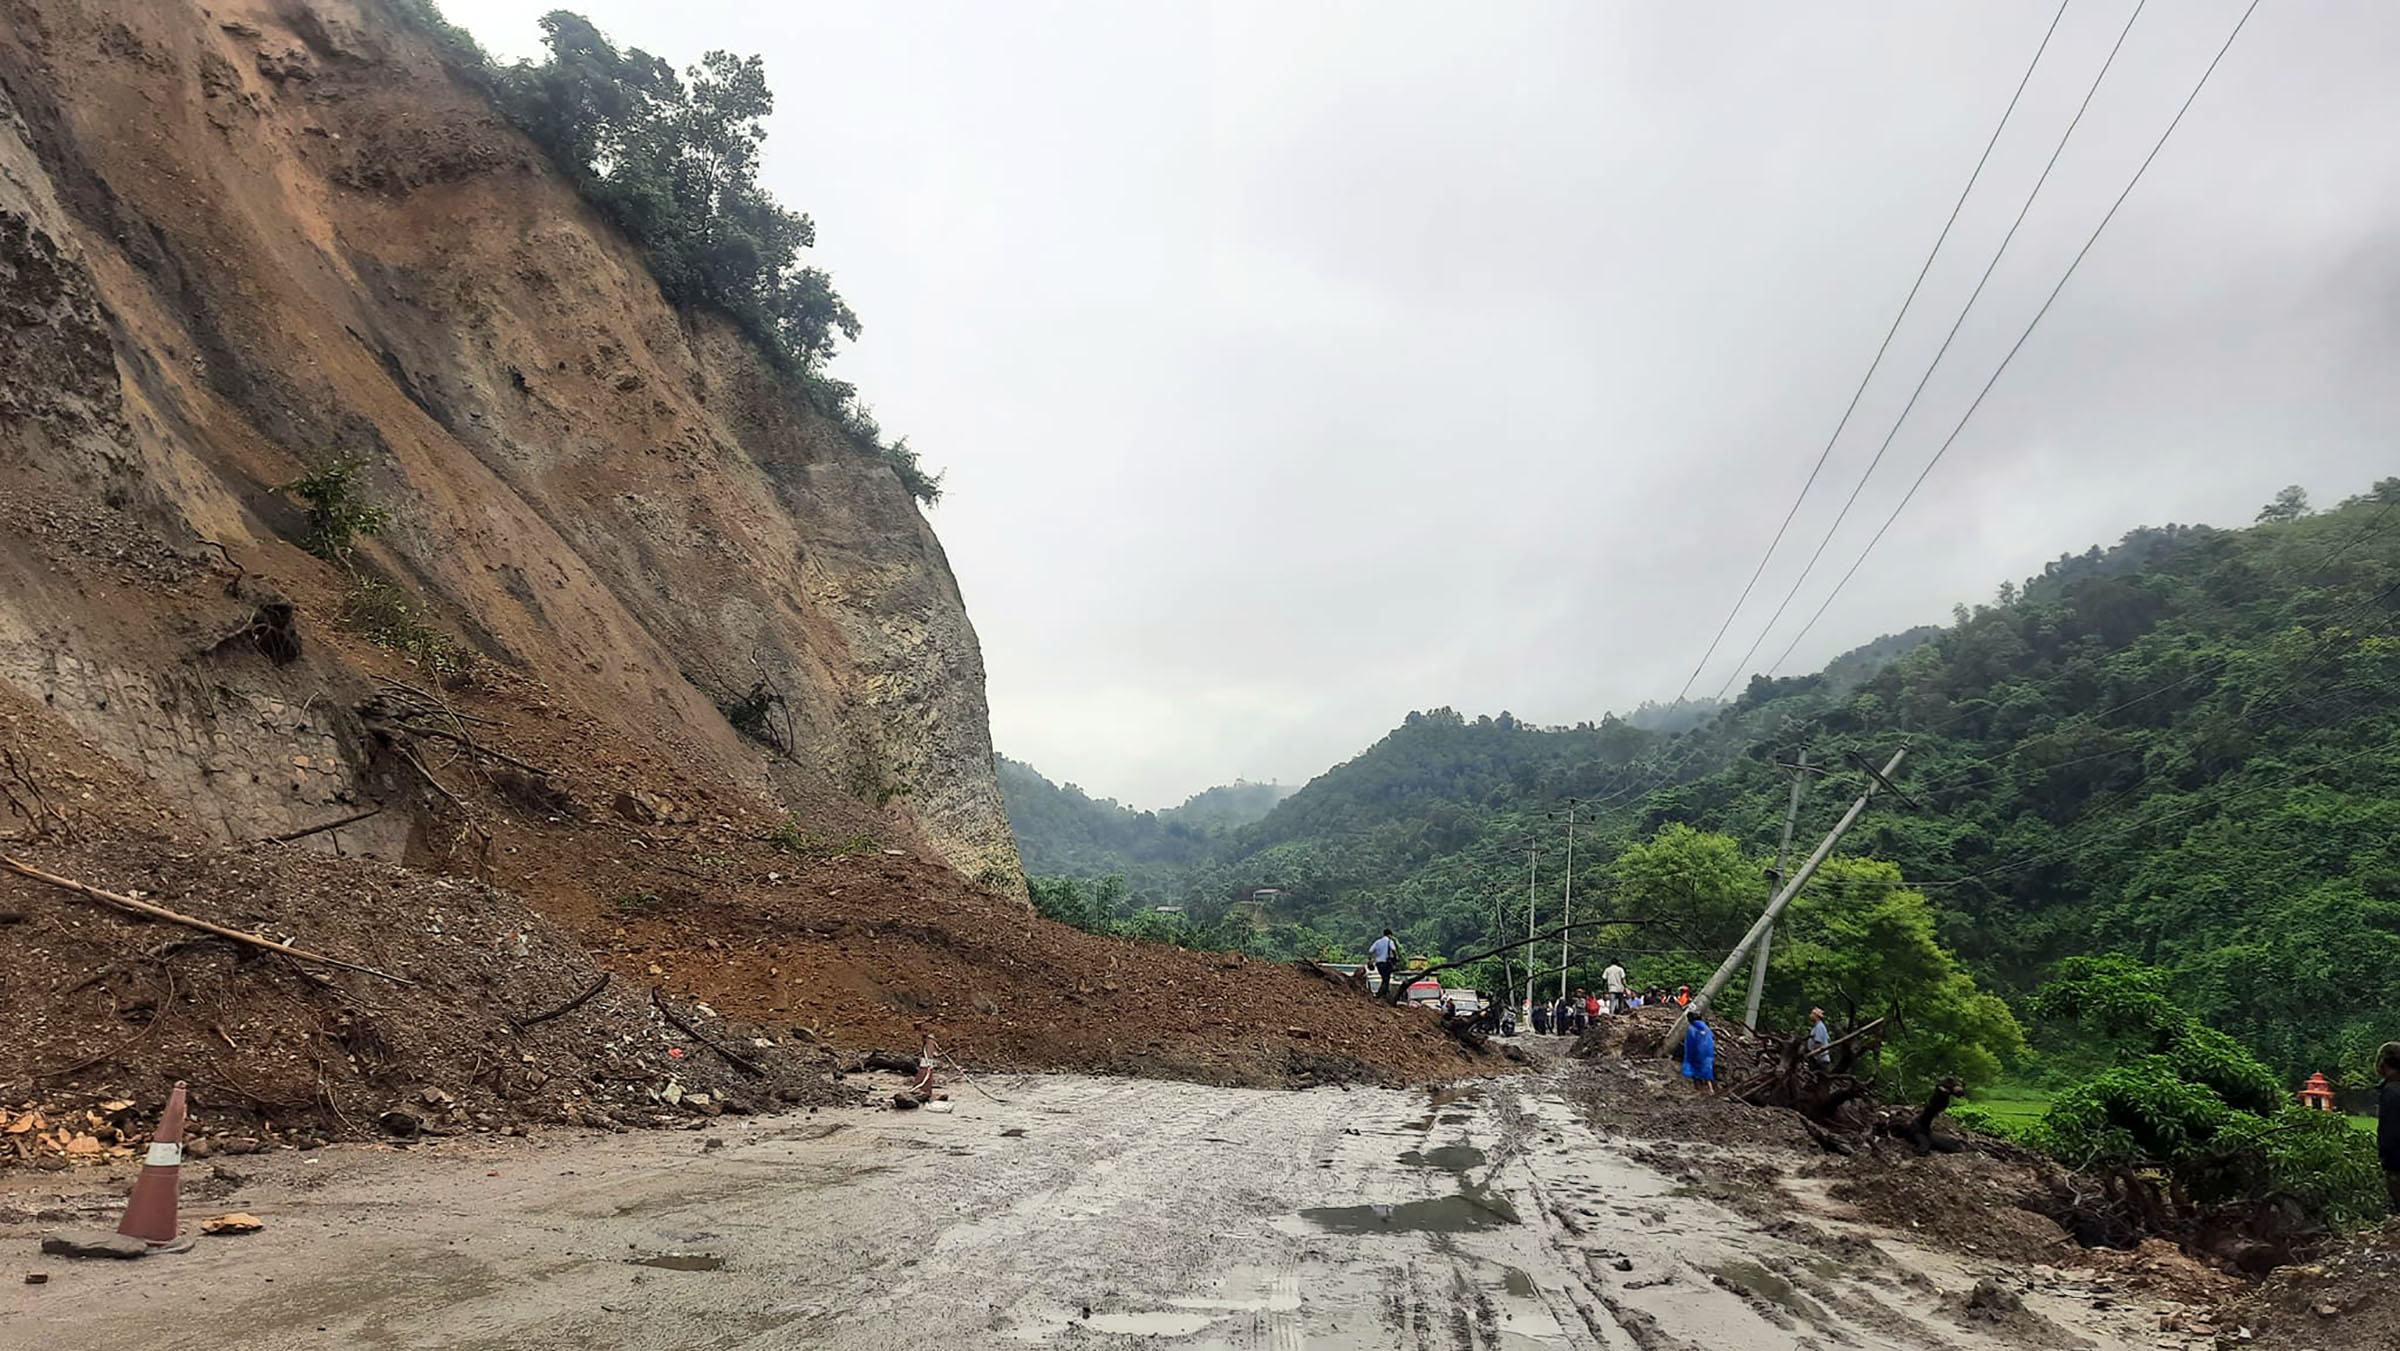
[(1613, 980), (1700, 1055), (1384, 953), (1541, 1018), (1591, 1006), (1562, 1017), (1819, 1039), (1683, 996), (2387, 1119)]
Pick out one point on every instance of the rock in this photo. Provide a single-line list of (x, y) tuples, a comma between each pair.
[(406, 1125), (1990, 1294), (712, 1142), (1623, 1264), (95, 1243), (237, 1222), (37, 1278), (434, 1097)]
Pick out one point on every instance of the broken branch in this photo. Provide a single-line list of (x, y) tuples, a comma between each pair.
[(740, 1062), (569, 1007), (191, 921), (352, 819)]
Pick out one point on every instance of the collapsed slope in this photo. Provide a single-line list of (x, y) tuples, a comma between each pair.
[(243, 242), (796, 951)]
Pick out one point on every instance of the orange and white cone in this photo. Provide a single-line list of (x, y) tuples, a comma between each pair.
[(150, 1216)]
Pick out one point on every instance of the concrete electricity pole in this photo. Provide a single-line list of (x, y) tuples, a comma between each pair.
[(1533, 870), (1733, 961), (1783, 855), (1566, 914)]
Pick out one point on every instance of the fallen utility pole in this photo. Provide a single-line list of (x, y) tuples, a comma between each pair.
[(1783, 855), (192, 921), (1674, 1042)]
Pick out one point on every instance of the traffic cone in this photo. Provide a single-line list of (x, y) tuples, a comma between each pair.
[(150, 1215)]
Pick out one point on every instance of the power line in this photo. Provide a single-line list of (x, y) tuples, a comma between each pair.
[(1944, 350), (1884, 347), (2019, 345)]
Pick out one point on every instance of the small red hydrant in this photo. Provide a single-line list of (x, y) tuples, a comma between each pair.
[(2317, 1093)]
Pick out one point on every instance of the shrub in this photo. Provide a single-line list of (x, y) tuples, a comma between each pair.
[(2194, 1103), (337, 516)]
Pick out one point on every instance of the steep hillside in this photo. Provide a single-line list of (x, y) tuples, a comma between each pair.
[(266, 240)]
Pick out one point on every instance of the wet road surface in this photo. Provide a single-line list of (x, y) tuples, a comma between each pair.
[(1082, 1213)]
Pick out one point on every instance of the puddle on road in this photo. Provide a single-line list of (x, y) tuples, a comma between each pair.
[(681, 1261), (1456, 1119), (1163, 1323), (1463, 1213), (1448, 1158), (1517, 1283)]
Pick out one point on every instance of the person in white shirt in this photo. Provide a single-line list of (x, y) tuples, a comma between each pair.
[(1384, 953), (1613, 979)]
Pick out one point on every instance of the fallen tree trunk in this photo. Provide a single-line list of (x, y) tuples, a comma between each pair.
[(191, 921)]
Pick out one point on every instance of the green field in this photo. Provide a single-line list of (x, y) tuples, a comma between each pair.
[(2018, 1106)]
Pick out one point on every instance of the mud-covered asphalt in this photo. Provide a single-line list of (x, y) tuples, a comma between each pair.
[(1081, 1213)]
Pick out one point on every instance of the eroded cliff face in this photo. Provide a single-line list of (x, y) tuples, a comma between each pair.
[(239, 240)]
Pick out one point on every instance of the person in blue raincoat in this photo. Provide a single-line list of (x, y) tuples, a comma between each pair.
[(1700, 1055)]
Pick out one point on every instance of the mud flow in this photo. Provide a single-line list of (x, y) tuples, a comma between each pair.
[(1071, 1212)]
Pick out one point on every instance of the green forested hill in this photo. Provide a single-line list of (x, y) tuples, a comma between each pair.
[(1062, 831), (2185, 747)]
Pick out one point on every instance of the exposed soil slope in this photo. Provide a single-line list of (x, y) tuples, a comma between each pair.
[(238, 241)]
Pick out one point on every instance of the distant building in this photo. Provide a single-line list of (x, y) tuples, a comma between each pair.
[(1266, 896), (1167, 909)]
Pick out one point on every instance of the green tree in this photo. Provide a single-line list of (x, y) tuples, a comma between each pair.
[(2186, 1098), (1858, 940), (2289, 505)]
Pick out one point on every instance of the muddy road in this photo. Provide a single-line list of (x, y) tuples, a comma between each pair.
[(1080, 1212)]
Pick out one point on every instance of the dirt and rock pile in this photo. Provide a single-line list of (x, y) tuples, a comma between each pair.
[(107, 1009)]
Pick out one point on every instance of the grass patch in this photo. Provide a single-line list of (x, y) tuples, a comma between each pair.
[(791, 837), (384, 615)]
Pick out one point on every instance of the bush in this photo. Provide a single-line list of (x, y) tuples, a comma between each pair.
[(2194, 1103), (336, 514)]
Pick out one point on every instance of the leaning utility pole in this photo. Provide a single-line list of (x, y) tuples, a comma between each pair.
[(1783, 854), (1733, 962)]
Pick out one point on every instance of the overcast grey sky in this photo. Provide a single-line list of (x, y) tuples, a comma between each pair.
[(1298, 364)]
